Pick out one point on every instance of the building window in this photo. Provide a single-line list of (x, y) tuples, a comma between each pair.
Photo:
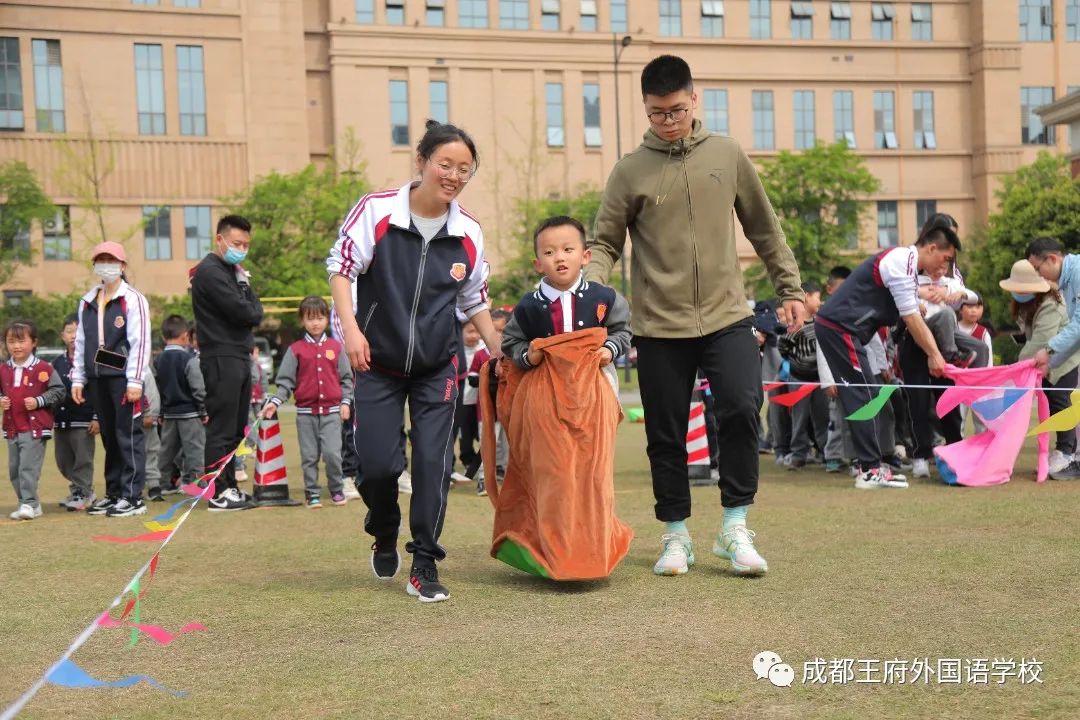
[(762, 107), (844, 116), (591, 97), (186, 3), (923, 210), (14, 298), (472, 13), (922, 21), (618, 16), (439, 95), (150, 89), (1072, 20), (197, 231), (712, 18), (882, 15), (399, 112), (716, 112), (922, 103), (761, 19), (11, 108), (157, 233), (588, 16), (556, 137), (671, 18), (1037, 20), (191, 82), (145, 2), (514, 14), (1032, 130), (436, 13), (888, 233), (840, 20), (549, 15), (395, 12), (57, 232), (365, 12), (48, 85), (802, 20), (805, 133), (884, 120)]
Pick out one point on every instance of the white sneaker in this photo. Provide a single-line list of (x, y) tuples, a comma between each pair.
[(404, 483), (457, 478), (901, 452), (880, 477), (920, 468), (26, 512), (677, 557), (1059, 461), (351, 493), (737, 545)]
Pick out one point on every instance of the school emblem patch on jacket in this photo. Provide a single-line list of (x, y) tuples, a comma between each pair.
[(119, 322), (601, 312), (330, 354), (457, 271), (43, 376)]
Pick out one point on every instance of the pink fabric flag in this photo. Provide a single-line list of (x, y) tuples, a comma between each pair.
[(988, 458), (145, 537)]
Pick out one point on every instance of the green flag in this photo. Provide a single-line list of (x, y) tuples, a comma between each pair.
[(872, 408)]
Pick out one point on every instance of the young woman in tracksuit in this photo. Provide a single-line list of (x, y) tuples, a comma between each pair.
[(114, 330), (416, 257)]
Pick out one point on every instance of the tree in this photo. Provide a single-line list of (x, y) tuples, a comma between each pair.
[(1036, 200), (295, 219), (23, 201), (816, 194), (515, 275)]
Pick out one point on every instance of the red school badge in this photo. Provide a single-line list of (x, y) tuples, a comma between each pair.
[(119, 322), (601, 312), (457, 271)]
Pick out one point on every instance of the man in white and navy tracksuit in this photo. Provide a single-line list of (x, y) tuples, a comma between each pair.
[(881, 291)]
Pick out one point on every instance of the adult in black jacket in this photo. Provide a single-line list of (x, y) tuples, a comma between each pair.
[(226, 313)]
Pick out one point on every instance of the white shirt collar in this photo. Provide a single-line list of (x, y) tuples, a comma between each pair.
[(30, 360), (317, 341), (554, 294)]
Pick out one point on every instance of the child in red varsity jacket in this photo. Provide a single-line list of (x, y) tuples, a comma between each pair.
[(318, 373), (29, 388)]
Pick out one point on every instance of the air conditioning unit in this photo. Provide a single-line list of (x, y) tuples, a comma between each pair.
[(56, 225)]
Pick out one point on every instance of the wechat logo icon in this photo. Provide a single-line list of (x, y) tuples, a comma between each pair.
[(768, 664)]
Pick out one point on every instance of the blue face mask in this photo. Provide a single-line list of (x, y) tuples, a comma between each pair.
[(234, 256), (1023, 297)]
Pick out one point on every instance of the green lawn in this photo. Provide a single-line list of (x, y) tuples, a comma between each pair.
[(299, 629)]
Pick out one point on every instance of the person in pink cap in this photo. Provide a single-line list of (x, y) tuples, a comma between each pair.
[(112, 355)]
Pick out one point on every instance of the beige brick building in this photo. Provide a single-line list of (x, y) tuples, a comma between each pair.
[(192, 99)]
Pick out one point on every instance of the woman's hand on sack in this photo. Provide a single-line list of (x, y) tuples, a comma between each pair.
[(605, 356), (358, 350)]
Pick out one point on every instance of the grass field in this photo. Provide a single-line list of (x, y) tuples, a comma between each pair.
[(299, 629)]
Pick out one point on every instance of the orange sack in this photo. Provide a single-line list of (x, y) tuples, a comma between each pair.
[(555, 512)]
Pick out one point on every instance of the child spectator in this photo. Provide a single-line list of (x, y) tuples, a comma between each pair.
[(499, 319), (768, 328), (183, 403), (969, 315), (810, 416), (838, 444), (941, 299), (112, 352), (29, 387), (317, 371), (468, 420), (74, 432), (151, 419)]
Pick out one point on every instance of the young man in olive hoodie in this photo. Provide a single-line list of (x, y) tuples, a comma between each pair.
[(675, 194)]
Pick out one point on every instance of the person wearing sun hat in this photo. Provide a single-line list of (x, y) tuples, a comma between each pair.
[(1039, 311), (112, 354)]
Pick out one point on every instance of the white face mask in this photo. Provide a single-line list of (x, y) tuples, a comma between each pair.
[(108, 272)]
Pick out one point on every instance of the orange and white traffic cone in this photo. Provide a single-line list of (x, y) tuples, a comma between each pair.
[(271, 475), (697, 443)]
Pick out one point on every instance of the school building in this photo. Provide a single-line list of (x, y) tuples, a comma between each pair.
[(187, 101)]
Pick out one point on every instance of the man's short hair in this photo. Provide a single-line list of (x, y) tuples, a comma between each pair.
[(1041, 247), (840, 272), (554, 222), (233, 221), (173, 327), (664, 75), (940, 236), (499, 314), (810, 287)]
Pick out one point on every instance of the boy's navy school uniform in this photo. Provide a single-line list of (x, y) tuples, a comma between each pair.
[(28, 431), (318, 374), (183, 409), (407, 293), (126, 325), (74, 445)]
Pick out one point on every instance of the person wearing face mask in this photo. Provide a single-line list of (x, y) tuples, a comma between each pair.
[(112, 355), (227, 311), (1039, 311)]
